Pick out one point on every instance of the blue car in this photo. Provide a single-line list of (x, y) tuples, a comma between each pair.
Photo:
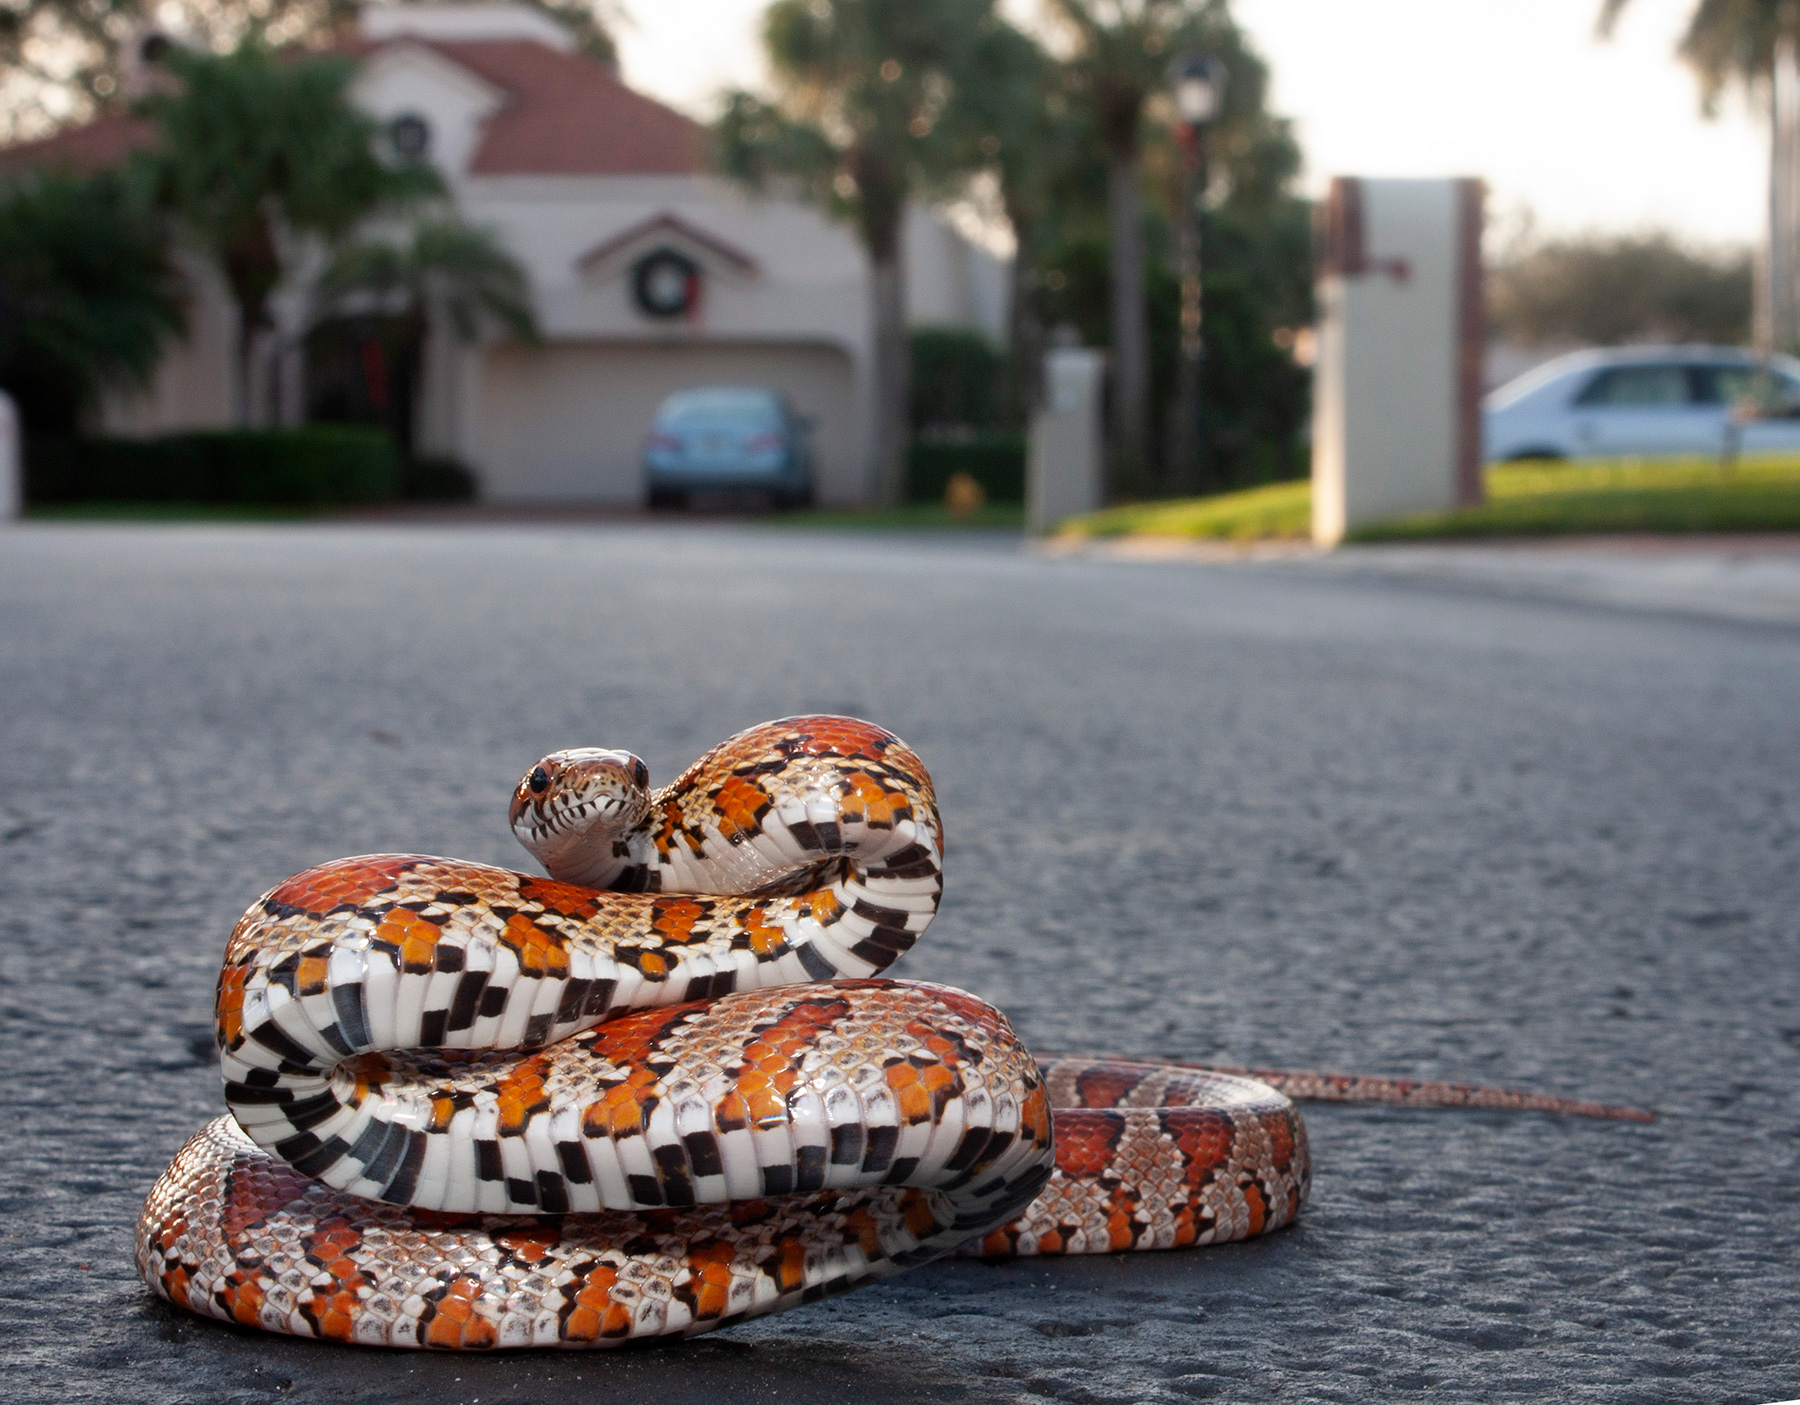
[(728, 441)]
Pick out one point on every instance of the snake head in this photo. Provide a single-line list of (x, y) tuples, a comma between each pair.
[(572, 807)]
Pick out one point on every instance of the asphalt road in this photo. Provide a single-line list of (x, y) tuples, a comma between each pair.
[(1257, 813)]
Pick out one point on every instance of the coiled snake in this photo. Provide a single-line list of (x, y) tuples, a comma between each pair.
[(661, 1091)]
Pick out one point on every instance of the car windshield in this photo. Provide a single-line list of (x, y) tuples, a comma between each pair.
[(719, 404), (1521, 386)]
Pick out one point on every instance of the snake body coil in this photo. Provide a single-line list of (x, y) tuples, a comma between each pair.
[(660, 1091)]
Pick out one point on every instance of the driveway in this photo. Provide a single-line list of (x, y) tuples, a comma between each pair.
[(1265, 813)]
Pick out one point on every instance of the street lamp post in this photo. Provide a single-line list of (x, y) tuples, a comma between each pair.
[(1197, 84)]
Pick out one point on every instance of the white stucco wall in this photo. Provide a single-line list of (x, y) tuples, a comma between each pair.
[(191, 388), (411, 78), (951, 281)]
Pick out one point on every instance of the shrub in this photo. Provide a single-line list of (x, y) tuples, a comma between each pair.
[(996, 462), (317, 465), (438, 480), (956, 380), (87, 294)]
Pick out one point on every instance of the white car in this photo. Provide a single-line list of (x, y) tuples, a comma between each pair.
[(1643, 401)]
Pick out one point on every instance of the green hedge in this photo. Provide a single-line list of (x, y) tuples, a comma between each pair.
[(957, 379), (438, 480), (318, 464), (997, 462)]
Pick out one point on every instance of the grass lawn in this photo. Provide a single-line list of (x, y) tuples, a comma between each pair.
[(1671, 495), (1273, 510)]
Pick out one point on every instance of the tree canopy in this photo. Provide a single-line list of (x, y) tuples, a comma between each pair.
[(64, 60), (864, 116), (442, 267), (88, 297), (1727, 41), (256, 147), (1604, 290)]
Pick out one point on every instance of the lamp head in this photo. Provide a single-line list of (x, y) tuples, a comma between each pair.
[(1197, 82)]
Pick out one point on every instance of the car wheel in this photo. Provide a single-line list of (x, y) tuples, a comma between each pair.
[(667, 499)]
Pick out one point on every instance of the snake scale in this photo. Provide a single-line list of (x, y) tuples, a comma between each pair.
[(664, 1089)]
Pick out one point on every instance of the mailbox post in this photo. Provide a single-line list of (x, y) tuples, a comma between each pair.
[(12, 464), (1064, 464), (1397, 386)]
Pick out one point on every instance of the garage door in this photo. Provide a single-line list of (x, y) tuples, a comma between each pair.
[(567, 423)]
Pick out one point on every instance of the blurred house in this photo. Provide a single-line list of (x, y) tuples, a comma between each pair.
[(648, 273)]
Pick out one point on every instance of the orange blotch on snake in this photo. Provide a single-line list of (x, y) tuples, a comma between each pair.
[(456, 1323), (1259, 1209), (564, 899), (585, 1322), (521, 1094), (415, 938), (175, 1283), (540, 954), (674, 919), (532, 1244), (920, 1218), (789, 1266), (765, 937), (825, 907), (710, 1265), (740, 806), (242, 1298), (344, 882), (228, 1009)]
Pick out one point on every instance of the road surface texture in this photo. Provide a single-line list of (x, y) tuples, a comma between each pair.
[(1259, 813)]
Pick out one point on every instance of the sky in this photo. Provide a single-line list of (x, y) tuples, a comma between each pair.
[(1588, 134)]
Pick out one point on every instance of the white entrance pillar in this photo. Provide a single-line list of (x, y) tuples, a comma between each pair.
[(12, 461), (1397, 386), (1064, 467)]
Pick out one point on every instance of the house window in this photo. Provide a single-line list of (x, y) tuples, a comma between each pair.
[(1637, 387), (410, 136)]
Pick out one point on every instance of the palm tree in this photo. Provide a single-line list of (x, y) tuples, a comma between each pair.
[(256, 147), (1015, 123), (445, 268), (67, 59), (864, 87), (442, 269), (1727, 40), (88, 297), (1752, 43), (1122, 53)]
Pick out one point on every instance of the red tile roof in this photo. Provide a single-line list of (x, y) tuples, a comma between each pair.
[(568, 115), (564, 115), (93, 146)]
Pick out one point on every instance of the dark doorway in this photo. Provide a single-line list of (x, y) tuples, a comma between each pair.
[(364, 370)]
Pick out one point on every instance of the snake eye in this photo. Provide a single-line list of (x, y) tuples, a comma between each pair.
[(538, 780), (640, 774)]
